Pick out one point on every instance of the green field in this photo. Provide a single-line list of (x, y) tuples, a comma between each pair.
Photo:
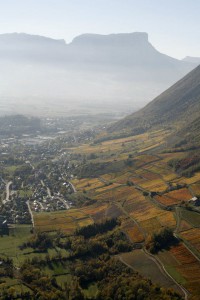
[(191, 217), (9, 245), (146, 266)]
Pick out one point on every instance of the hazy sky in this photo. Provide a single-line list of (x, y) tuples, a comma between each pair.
[(173, 25)]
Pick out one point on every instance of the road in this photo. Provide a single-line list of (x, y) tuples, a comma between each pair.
[(8, 190), (178, 220), (41, 205), (48, 189), (64, 202), (30, 211), (32, 166), (8, 184), (73, 187)]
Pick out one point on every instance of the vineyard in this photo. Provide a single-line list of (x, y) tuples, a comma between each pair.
[(192, 236), (146, 195), (189, 267), (66, 221), (180, 195)]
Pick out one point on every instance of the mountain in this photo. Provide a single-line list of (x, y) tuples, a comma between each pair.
[(126, 50), (113, 72), (178, 106), (23, 47), (190, 59), (120, 49)]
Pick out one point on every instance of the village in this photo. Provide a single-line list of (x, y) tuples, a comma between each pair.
[(35, 174)]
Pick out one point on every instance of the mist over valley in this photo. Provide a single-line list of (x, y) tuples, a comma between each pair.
[(94, 73)]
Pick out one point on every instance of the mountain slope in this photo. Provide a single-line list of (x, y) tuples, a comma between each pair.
[(180, 104)]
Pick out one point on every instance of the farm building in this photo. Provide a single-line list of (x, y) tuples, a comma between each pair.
[(195, 201)]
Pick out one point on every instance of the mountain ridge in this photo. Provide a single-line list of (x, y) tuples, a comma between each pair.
[(118, 40), (191, 59), (120, 70)]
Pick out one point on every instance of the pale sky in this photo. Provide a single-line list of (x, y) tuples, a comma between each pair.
[(173, 25)]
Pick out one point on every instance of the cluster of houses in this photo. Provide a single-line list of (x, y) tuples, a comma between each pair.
[(50, 203)]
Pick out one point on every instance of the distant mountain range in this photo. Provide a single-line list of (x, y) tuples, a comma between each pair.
[(195, 60), (124, 50), (120, 71), (178, 107)]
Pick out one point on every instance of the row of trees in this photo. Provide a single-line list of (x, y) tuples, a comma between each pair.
[(97, 228)]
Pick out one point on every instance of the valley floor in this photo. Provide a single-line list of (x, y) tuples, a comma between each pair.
[(129, 179)]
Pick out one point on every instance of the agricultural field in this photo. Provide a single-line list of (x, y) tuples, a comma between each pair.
[(192, 217), (108, 177), (180, 194), (192, 236), (154, 185), (196, 188), (106, 189), (189, 267), (165, 200), (127, 190), (194, 179), (183, 267), (151, 225), (115, 193), (148, 267), (122, 178), (183, 226), (97, 211), (162, 170), (145, 159), (140, 143), (132, 230), (66, 221), (135, 197), (87, 184), (149, 175), (145, 210), (9, 245), (166, 157), (137, 179), (124, 193)]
